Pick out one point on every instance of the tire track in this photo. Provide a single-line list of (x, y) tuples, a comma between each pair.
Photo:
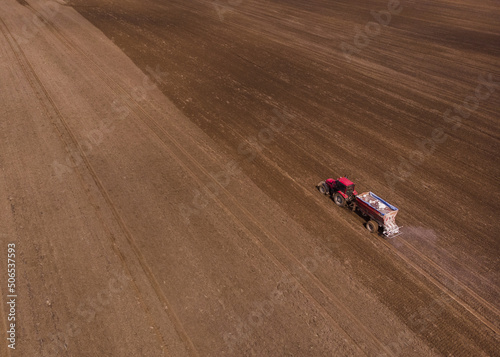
[(425, 274), (445, 289), (30, 75), (451, 277)]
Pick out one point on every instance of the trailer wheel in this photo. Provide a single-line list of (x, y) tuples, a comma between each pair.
[(372, 226), (338, 199), (322, 187)]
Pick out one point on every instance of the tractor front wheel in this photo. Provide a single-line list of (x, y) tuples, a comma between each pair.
[(339, 199), (372, 226)]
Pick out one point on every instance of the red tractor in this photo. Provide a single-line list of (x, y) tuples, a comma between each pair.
[(377, 212), (342, 190)]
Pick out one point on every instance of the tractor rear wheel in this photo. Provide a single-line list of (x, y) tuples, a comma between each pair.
[(339, 199), (372, 226), (322, 187)]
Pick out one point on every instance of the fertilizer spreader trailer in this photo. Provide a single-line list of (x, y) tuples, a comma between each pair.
[(377, 212)]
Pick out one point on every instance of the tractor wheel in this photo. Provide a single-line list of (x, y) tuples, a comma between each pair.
[(338, 199), (323, 188), (372, 226)]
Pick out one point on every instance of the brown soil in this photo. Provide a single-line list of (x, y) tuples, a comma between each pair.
[(159, 161)]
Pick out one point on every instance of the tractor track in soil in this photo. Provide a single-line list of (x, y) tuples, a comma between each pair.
[(30, 72)]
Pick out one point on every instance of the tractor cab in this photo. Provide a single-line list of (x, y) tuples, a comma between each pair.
[(346, 187)]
